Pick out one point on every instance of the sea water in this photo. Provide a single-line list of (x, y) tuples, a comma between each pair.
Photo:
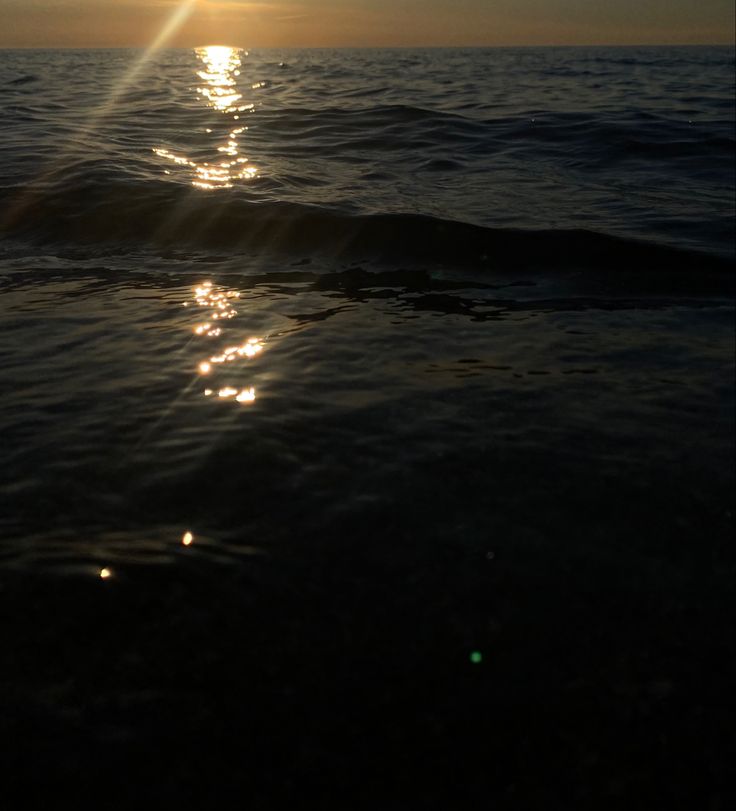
[(434, 251), (347, 366)]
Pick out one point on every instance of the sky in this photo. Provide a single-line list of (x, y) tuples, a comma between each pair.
[(363, 23)]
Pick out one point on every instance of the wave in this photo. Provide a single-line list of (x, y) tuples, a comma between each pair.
[(22, 80), (166, 216), (431, 156)]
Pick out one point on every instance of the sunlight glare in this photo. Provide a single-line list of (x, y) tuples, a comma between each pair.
[(247, 395), (220, 92)]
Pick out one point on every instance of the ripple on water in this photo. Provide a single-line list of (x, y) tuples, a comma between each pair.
[(117, 443)]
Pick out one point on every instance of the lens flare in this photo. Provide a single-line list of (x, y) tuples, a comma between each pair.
[(65, 154)]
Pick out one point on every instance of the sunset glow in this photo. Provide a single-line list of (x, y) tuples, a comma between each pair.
[(325, 23)]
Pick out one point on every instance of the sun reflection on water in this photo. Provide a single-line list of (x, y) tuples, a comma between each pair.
[(247, 395), (219, 89), (220, 303)]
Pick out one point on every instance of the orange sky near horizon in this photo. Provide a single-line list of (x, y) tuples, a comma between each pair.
[(336, 23)]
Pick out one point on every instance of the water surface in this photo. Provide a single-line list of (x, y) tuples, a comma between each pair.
[(367, 425)]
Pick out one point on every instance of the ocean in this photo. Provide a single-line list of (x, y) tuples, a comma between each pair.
[(368, 425)]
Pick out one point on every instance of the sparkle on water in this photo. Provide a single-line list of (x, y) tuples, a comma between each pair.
[(219, 89), (219, 302)]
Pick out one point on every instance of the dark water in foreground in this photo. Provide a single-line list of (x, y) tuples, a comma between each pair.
[(430, 355)]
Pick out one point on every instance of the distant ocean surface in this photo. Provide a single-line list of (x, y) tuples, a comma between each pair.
[(367, 427), (632, 142)]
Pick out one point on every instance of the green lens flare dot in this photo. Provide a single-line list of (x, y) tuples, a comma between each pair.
[(476, 657)]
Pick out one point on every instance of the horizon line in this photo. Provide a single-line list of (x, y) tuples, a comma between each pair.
[(373, 47)]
